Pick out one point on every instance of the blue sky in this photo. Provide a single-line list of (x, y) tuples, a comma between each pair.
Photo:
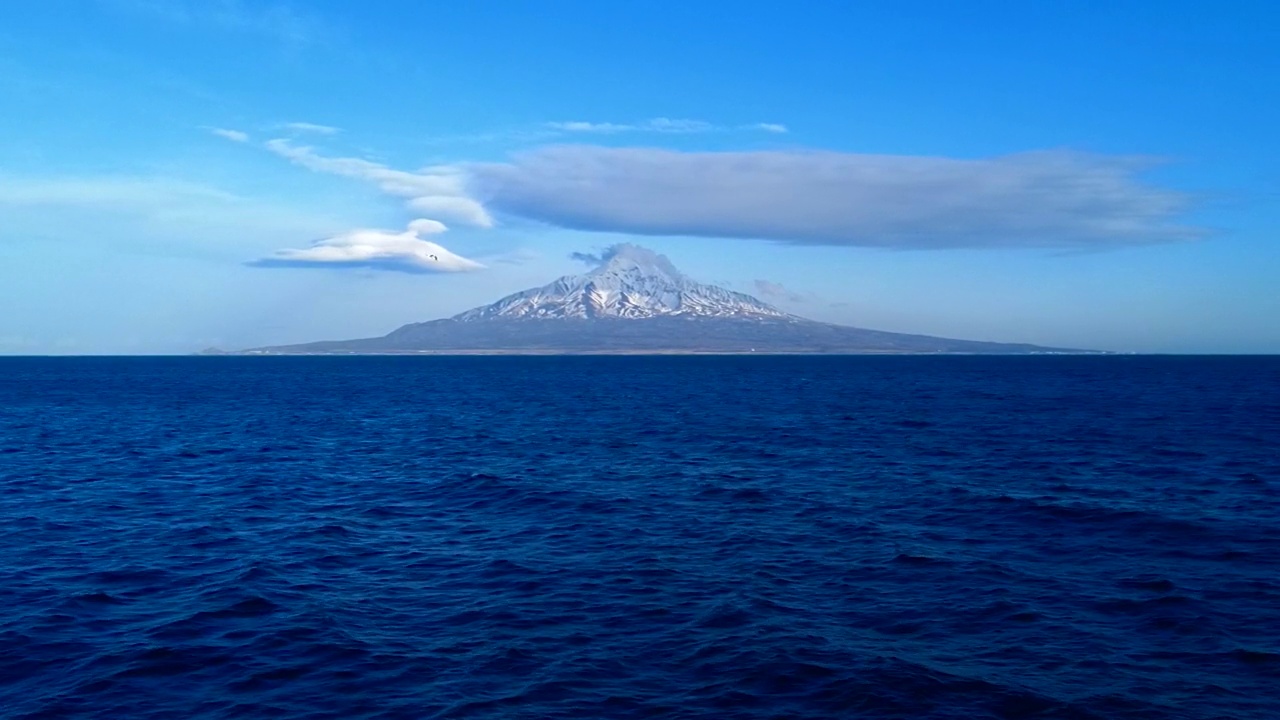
[(180, 174)]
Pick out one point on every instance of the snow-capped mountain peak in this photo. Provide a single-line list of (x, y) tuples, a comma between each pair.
[(629, 282)]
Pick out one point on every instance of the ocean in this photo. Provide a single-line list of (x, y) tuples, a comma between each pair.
[(640, 537)]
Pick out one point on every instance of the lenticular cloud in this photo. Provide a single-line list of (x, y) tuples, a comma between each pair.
[(1042, 199), (436, 190), (404, 251), (1037, 199)]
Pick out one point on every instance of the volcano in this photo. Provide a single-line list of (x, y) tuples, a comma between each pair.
[(636, 301)]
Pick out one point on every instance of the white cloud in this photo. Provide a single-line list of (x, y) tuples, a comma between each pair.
[(439, 190), (778, 128), (406, 251), (1049, 199), (1038, 199), (232, 135), (677, 126), (461, 209), (588, 127), (658, 125), (306, 127)]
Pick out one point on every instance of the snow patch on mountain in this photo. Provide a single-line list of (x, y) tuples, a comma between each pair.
[(630, 282)]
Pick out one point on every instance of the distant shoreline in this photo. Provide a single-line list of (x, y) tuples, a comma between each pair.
[(630, 353), (546, 353)]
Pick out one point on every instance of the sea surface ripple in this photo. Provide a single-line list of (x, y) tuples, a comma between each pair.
[(640, 537)]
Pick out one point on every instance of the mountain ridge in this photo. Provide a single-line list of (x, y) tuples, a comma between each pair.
[(629, 282), (637, 301)]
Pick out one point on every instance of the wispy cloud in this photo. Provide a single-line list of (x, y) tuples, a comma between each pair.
[(1038, 199), (657, 125), (438, 191), (232, 135), (605, 255), (270, 19), (1049, 199), (306, 127), (778, 291), (588, 259), (770, 127), (406, 251)]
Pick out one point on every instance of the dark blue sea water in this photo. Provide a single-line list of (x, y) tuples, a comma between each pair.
[(630, 537)]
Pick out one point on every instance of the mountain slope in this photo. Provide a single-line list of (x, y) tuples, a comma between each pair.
[(636, 301), (631, 283)]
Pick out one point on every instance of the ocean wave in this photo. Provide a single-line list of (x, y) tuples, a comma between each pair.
[(893, 538)]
